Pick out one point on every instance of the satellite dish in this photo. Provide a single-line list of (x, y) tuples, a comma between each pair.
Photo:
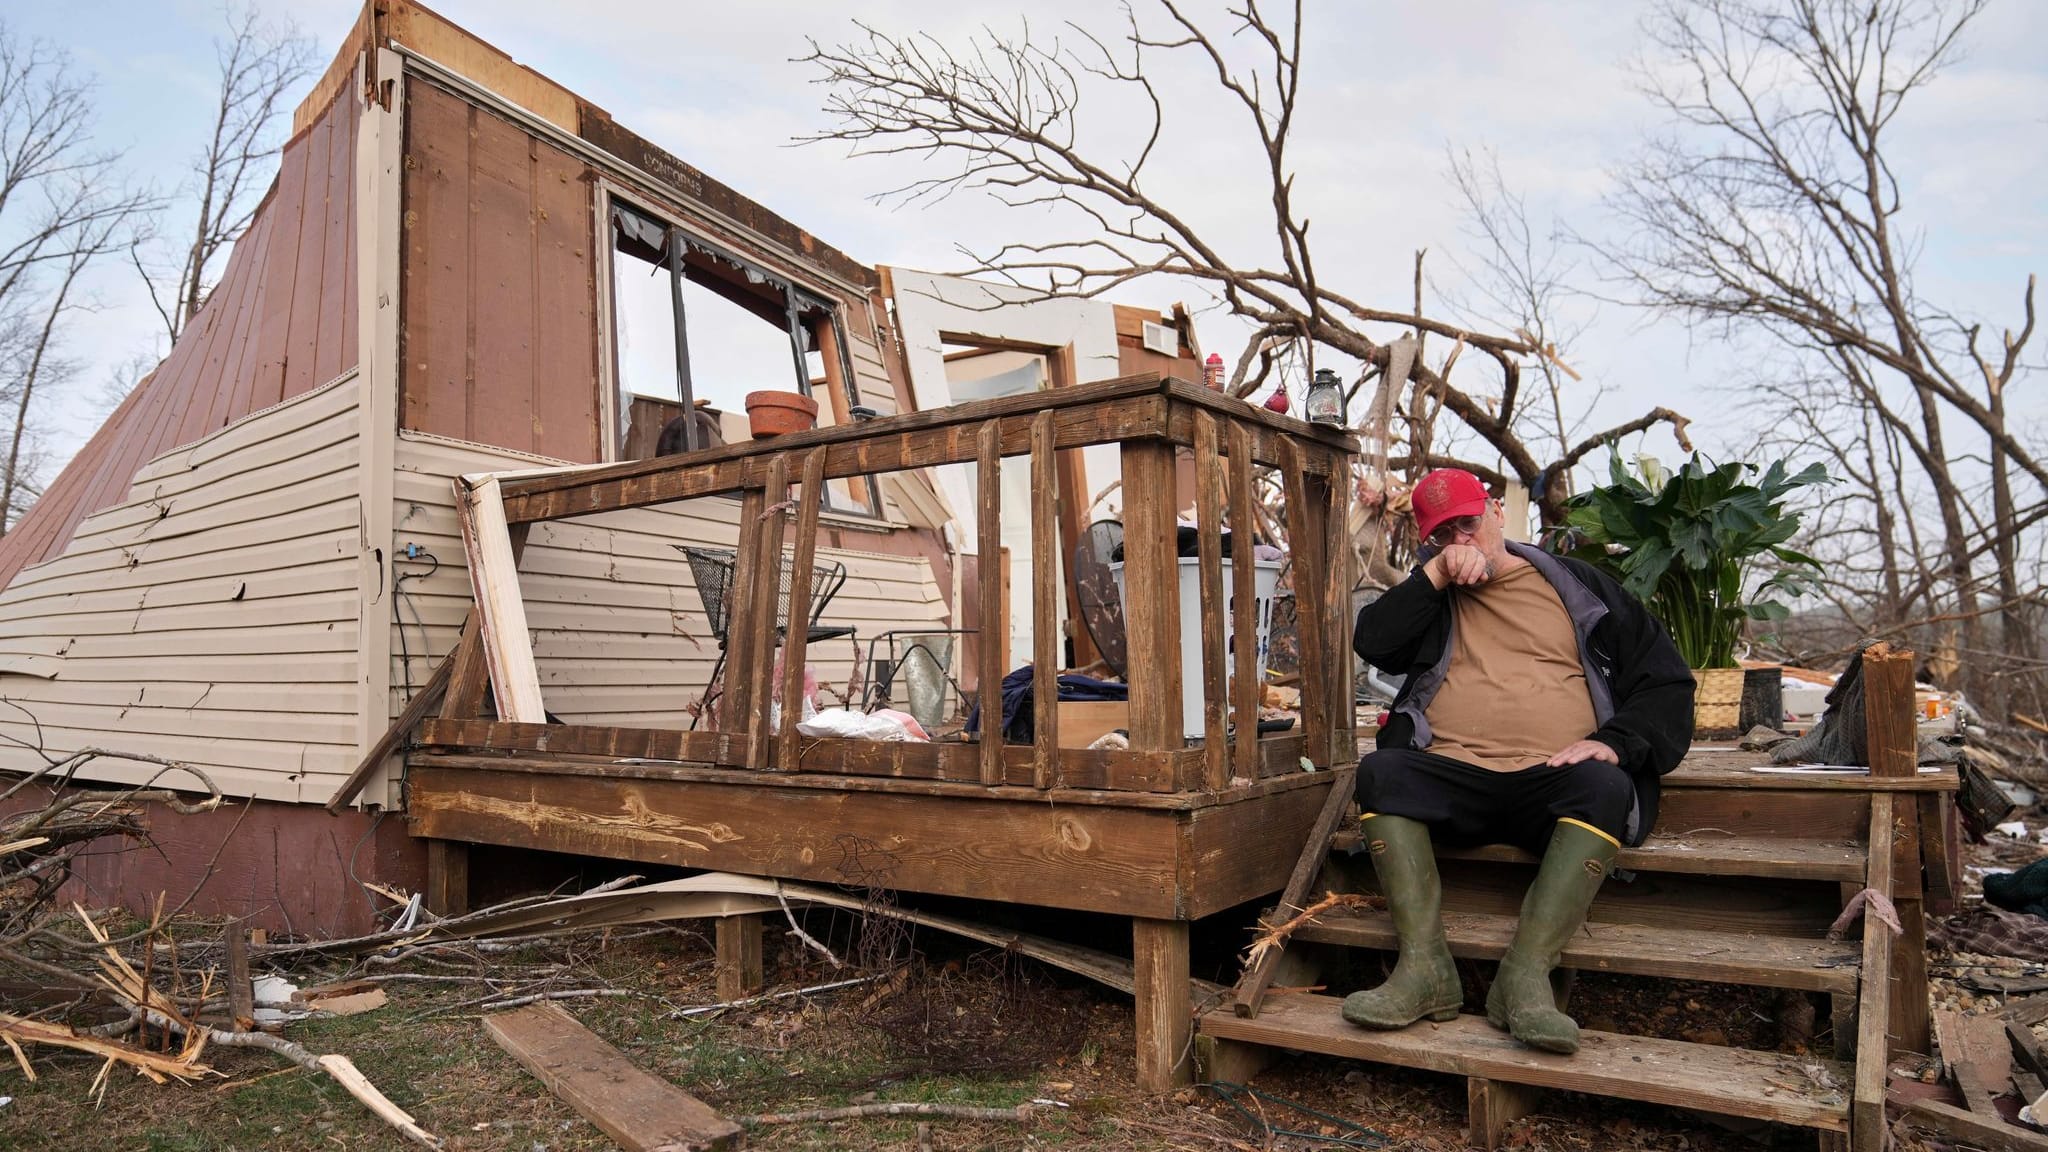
[(1102, 609)]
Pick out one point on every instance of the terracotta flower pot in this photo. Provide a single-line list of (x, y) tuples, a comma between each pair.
[(774, 413)]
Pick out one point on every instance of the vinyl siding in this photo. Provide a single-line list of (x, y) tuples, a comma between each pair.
[(210, 616), (619, 633)]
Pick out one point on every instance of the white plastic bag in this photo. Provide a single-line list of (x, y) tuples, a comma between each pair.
[(856, 725)]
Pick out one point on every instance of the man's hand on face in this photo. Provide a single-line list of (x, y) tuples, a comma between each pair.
[(1458, 564), (1581, 751)]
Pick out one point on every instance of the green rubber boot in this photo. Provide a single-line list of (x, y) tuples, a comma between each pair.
[(1521, 1000), (1425, 980)]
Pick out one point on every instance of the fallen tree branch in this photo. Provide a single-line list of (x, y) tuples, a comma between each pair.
[(1276, 935), (1022, 1112), (564, 994)]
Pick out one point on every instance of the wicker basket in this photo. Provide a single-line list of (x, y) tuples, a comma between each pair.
[(1717, 705)]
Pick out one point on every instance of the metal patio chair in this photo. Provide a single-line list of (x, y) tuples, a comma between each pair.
[(714, 568)]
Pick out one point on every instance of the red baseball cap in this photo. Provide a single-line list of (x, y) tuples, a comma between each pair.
[(1447, 494)]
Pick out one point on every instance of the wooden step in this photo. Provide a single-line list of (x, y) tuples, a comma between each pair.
[(1816, 965), (1773, 857), (1698, 854), (1729, 1081)]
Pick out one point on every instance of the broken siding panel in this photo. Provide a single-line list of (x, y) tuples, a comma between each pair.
[(498, 341), (208, 379), (612, 603), (221, 631)]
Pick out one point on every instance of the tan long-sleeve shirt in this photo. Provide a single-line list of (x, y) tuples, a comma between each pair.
[(1515, 691)]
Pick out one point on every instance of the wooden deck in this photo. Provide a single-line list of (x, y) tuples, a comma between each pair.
[(1168, 856)]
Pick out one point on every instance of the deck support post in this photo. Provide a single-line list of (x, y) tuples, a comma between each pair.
[(1491, 1105), (1159, 957), (1892, 732), (447, 877), (738, 967)]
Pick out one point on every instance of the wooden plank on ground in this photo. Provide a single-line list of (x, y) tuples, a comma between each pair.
[(1250, 994), (1873, 1052), (1729, 1081), (638, 1110), (1244, 684), (1986, 1132), (993, 624), (1045, 582), (494, 580), (1978, 1056), (1209, 533)]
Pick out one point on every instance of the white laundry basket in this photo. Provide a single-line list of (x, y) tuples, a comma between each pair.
[(1265, 582)]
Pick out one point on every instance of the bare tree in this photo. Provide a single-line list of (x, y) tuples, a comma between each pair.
[(1773, 207), (259, 65), (62, 206), (1518, 275), (1003, 116)]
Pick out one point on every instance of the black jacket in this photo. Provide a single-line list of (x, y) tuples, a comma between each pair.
[(1641, 688)]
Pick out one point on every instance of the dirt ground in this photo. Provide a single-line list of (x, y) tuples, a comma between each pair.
[(953, 1024)]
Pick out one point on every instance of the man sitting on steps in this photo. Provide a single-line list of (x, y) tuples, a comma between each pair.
[(1542, 706)]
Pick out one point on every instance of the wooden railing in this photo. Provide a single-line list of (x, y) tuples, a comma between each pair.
[(1149, 418)]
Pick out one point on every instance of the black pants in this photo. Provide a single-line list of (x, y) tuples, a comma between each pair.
[(1466, 805)]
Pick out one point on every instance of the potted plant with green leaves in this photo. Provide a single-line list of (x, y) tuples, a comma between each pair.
[(1705, 548)]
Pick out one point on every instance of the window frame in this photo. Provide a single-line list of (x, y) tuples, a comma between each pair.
[(825, 334)]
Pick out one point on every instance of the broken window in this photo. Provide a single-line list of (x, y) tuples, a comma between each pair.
[(698, 327)]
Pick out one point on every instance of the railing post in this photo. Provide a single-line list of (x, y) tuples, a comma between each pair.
[(1245, 671), (796, 644), (993, 623), (761, 629), (1305, 540), (1152, 596), (1209, 534), (1045, 582)]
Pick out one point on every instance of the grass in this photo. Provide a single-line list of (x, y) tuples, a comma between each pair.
[(974, 1028)]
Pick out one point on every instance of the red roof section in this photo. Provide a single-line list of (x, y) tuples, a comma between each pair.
[(281, 322)]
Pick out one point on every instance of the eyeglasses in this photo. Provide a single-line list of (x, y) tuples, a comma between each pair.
[(1449, 531)]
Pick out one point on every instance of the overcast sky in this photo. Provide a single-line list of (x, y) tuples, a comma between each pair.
[(1387, 88)]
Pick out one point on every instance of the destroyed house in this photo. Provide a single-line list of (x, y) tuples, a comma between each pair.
[(462, 267), (418, 525)]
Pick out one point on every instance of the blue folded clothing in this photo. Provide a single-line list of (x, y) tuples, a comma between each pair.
[(1018, 689)]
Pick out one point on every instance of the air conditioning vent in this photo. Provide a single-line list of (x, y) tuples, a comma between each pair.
[(1161, 339)]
